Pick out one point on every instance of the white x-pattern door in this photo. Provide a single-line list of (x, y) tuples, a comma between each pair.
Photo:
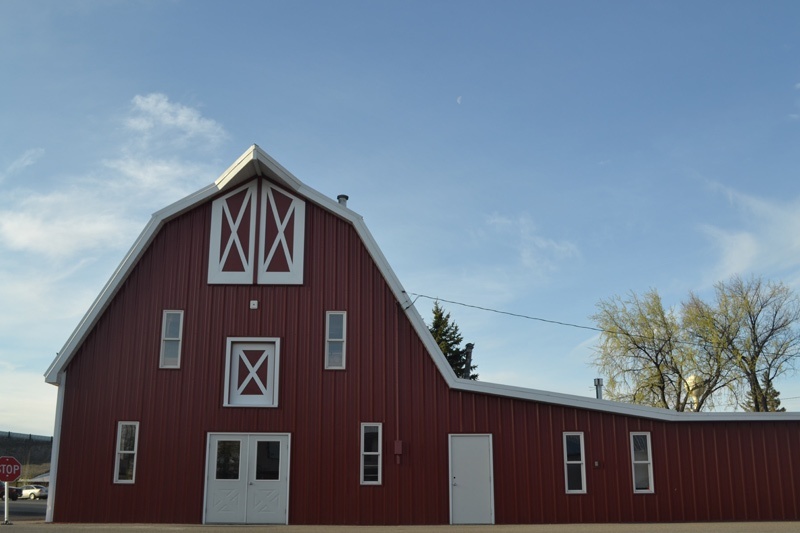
[(252, 367), (282, 227), (279, 236), (233, 228)]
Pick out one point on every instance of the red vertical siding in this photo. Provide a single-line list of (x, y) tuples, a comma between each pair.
[(702, 471)]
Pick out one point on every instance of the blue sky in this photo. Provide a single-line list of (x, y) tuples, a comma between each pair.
[(531, 157)]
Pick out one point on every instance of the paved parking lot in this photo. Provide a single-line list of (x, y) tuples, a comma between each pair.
[(28, 517), (716, 527)]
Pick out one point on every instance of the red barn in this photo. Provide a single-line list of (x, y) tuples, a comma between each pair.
[(254, 359)]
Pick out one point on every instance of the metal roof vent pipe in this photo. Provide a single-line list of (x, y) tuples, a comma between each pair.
[(598, 388), (468, 365), (343, 199)]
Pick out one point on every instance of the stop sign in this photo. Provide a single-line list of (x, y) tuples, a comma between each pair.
[(10, 469)]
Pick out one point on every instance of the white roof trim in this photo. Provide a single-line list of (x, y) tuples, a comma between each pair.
[(256, 162)]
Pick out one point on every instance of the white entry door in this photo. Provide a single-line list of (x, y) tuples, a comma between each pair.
[(247, 479), (471, 479)]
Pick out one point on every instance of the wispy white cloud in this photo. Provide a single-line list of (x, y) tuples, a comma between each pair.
[(27, 405), (64, 224), (153, 116), (738, 251), (59, 244), (158, 180), (104, 209), (535, 252), (767, 241), (31, 288), (25, 160)]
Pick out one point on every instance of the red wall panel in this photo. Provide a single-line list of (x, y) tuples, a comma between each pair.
[(702, 471)]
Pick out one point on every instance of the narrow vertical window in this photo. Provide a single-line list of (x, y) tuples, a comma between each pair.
[(371, 446), (335, 339), (574, 463), (127, 441), (171, 333), (642, 462)]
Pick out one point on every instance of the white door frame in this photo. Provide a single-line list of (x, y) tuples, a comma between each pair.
[(245, 458), (475, 483)]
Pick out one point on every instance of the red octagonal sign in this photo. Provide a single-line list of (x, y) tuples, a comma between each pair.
[(10, 469)]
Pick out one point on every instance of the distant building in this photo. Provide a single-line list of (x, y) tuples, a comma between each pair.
[(254, 359)]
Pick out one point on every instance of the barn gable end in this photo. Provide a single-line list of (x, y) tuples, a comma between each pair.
[(302, 386)]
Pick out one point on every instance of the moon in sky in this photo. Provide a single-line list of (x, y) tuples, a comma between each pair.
[(458, 100)]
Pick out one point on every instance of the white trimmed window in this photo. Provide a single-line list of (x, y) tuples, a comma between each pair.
[(171, 335), (574, 463), (371, 446), (127, 442), (335, 339), (251, 372), (642, 462)]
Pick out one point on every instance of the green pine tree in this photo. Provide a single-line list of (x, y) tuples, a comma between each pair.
[(449, 340), (768, 393)]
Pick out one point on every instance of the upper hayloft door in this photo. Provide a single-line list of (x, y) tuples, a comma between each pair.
[(279, 236), (282, 230)]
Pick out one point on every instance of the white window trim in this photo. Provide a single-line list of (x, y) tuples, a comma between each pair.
[(273, 376), (328, 339), (161, 363), (649, 463), (567, 462), (119, 452), (379, 453)]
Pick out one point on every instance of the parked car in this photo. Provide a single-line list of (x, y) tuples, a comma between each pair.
[(33, 492), (13, 493)]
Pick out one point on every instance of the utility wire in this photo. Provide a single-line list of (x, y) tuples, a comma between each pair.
[(556, 322), (509, 313)]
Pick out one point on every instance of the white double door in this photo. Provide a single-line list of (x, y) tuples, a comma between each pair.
[(247, 478)]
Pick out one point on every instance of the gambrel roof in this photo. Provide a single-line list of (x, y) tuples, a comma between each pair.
[(255, 162)]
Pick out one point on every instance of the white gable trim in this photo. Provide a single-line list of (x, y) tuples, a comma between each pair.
[(255, 162)]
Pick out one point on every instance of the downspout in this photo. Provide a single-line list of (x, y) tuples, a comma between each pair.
[(398, 443)]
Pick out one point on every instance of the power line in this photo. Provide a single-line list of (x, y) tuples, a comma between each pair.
[(559, 323), (527, 317)]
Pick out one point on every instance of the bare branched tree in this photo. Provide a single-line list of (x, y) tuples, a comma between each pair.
[(733, 348), (646, 358), (755, 325)]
